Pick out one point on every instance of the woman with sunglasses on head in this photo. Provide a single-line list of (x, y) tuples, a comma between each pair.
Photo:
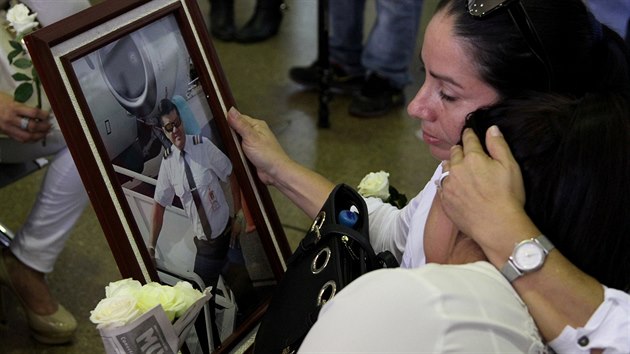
[(459, 302), (473, 59)]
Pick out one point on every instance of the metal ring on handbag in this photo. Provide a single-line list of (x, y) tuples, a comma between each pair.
[(317, 224), (320, 261), (327, 292)]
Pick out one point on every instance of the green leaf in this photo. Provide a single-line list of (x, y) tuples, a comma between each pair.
[(12, 55), (34, 74), (16, 45), (21, 77), (23, 92), (23, 63), (396, 198)]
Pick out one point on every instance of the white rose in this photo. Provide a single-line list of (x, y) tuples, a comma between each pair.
[(115, 311), (187, 294), (20, 20), (153, 294), (375, 184), (123, 287)]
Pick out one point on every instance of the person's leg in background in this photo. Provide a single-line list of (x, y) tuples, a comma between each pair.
[(387, 56), (222, 19), (264, 23), (37, 246), (345, 46), (347, 18)]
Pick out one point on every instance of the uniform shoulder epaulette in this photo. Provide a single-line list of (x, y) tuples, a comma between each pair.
[(197, 139), (167, 152)]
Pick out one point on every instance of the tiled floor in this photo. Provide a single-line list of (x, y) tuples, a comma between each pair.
[(258, 77)]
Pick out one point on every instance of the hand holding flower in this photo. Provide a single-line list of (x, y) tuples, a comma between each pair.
[(11, 114)]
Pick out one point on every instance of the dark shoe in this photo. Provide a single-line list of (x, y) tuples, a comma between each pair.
[(264, 23), (376, 98), (340, 81), (222, 19)]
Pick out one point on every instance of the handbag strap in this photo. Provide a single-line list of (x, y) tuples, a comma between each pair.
[(318, 234), (328, 223), (341, 231)]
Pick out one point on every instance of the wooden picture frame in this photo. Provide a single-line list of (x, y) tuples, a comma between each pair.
[(105, 71)]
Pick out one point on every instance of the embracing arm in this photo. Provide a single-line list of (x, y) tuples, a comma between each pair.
[(485, 198), (305, 188)]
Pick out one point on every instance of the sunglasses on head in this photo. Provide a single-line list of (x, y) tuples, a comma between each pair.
[(172, 125), (516, 10)]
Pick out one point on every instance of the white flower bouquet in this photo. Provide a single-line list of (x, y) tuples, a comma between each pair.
[(150, 318)]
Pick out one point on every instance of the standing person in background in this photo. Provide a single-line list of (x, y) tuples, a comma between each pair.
[(263, 24), (374, 72), (60, 201)]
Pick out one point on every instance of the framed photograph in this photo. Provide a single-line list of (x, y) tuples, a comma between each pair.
[(141, 99)]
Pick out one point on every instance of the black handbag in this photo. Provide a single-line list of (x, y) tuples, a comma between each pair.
[(335, 251)]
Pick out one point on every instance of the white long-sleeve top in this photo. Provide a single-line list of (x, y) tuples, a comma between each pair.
[(402, 232)]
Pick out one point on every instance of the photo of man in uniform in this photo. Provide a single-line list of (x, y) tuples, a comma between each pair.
[(199, 174)]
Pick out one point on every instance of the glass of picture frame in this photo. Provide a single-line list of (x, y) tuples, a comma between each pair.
[(108, 72)]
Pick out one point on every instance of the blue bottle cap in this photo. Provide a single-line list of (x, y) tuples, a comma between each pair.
[(348, 218)]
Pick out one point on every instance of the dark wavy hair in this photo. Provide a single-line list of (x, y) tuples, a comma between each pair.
[(584, 54), (165, 107), (575, 158)]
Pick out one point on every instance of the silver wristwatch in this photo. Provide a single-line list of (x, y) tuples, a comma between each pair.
[(528, 256)]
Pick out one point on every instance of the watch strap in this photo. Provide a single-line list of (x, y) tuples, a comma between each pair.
[(509, 269), (545, 243)]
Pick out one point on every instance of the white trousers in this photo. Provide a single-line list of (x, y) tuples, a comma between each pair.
[(61, 198), (59, 204), (13, 151)]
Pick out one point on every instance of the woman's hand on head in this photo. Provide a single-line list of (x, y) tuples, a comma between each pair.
[(483, 195), (259, 144), (13, 113)]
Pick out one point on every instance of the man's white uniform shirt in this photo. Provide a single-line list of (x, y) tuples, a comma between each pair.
[(208, 165)]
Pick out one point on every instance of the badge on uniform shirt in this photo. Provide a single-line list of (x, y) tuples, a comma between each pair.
[(213, 201)]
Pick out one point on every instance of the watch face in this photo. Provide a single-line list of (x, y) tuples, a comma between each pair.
[(528, 256)]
